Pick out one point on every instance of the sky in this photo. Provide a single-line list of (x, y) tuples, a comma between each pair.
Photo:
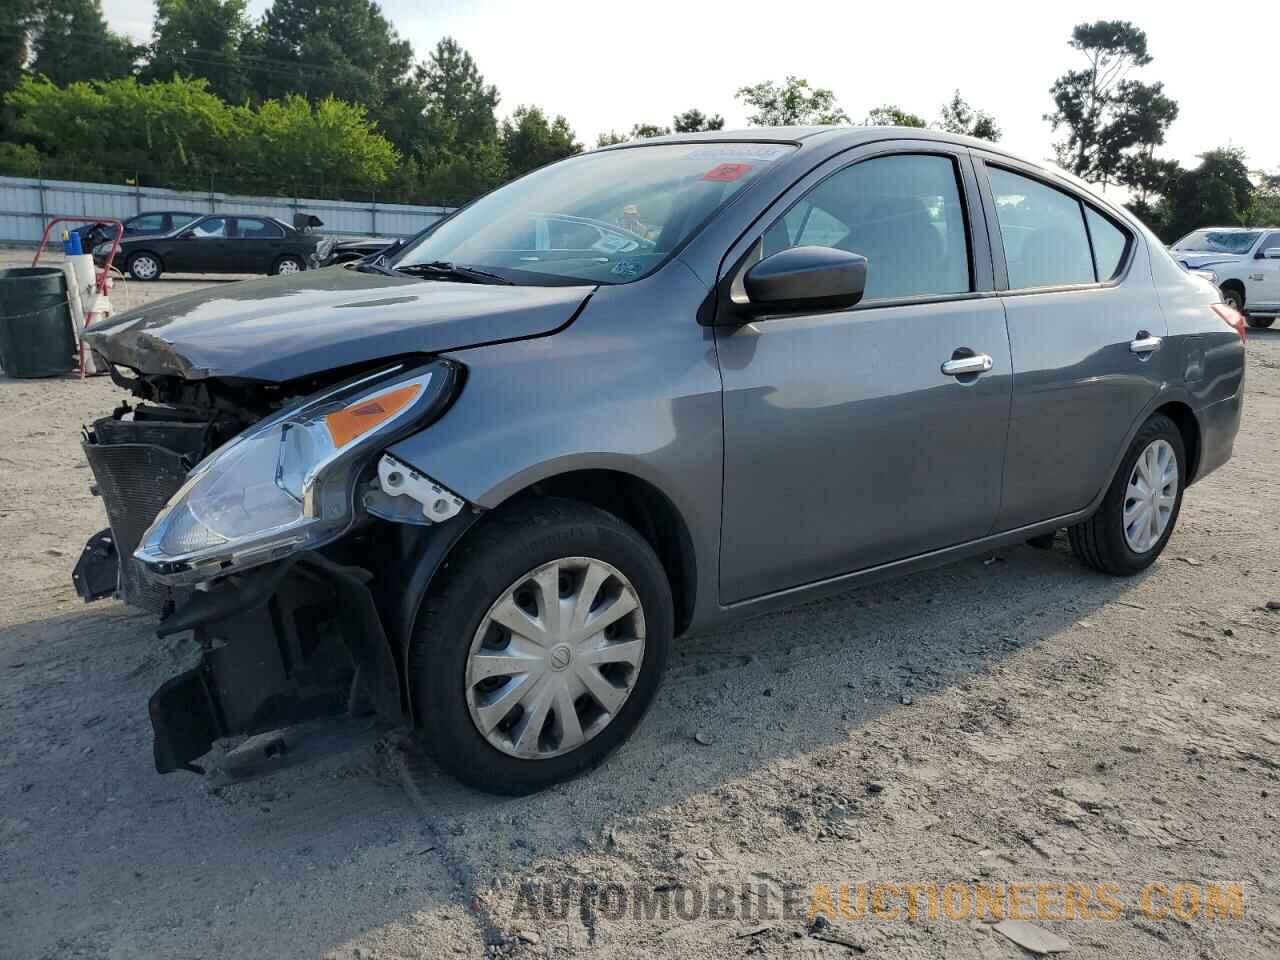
[(607, 66)]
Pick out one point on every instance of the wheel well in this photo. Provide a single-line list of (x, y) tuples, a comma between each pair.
[(1187, 425), (1235, 285), (645, 508)]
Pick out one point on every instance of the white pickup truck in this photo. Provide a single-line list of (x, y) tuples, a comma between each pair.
[(1245, 263)]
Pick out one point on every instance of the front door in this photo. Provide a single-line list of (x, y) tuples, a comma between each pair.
[(1265, 292), (846, 445), (1088, 341), (203, 249)]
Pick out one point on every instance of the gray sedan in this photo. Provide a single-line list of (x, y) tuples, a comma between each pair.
[(477, 487)]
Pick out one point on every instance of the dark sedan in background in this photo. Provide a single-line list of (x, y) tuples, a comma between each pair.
[(223, 243), (151, 222)]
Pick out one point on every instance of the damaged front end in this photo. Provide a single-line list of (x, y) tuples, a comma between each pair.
[(270, 522)]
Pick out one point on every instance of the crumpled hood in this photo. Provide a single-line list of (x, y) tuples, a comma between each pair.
[(281, 328), (1200, 261)]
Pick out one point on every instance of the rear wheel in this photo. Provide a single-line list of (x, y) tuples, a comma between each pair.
[(144, 266), (287, 265), (1260, 323), (1138, 514), (541, 646)]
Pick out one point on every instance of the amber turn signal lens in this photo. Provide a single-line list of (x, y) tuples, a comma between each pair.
[(358, 419)]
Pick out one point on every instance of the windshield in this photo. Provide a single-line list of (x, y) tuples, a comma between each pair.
[(608, 217), (1218, 241)]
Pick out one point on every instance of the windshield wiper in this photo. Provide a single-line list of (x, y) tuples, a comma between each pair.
[(444, 270), (373, 266)]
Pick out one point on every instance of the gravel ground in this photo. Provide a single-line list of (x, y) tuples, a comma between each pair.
[(1008, 721)]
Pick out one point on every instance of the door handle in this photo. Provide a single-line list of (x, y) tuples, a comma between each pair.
[(1145, 343), (960, 366)]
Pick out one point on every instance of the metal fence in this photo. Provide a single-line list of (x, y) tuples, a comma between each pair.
[(28, 203)]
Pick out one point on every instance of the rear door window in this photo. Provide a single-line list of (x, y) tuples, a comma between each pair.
[(1043, 232), (903, 213), (1109, 243), (215, 228), (252, 229)]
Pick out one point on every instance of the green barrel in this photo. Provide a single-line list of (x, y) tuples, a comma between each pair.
[(36, 336)]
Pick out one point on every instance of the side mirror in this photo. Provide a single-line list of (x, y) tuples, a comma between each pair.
[(1271, 253), (805, 278)]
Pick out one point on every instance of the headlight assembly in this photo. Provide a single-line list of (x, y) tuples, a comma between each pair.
[(287, 483)]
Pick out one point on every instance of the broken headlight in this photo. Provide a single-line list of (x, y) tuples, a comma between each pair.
[(287, 483)]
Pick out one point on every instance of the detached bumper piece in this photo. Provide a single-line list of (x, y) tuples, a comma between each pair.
[(288, 644), (138, 465)]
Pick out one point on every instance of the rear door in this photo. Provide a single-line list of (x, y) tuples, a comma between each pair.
[(259, 243), (846, 446), (1087, 336)]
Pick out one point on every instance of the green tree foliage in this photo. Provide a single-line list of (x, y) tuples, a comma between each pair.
[(792, 103), (1107, 116), (1217, 193), (959, 117), (530, 140), (178, 133), (201, 38), (893, 116), (1264, 208), (611, 137), (695, 121), (328, 48), (644, 131), (70, 42)]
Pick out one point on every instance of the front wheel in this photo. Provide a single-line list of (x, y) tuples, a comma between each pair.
[(144, 266), (541, 646), (1137, 516), (288, 265), (1233, 298), (1260, 323)]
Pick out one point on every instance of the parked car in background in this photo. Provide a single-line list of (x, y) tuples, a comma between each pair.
[(476, 488), (358, 248), (151, 222), (222, 243), (1244, 263)]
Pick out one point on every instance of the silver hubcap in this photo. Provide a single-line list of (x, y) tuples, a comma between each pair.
[(555, 658), (144, 268), (1153, 490), (289, 266)]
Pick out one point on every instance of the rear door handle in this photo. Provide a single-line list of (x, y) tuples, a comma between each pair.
[(959, 366), (1145, 343)]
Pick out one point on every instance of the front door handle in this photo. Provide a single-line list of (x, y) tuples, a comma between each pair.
[(1145, 343), (960, 366)]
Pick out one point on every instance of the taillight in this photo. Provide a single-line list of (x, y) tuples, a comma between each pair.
[(1233, 318)]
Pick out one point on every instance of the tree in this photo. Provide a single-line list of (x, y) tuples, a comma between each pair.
[(611, 137), (70, 42), (456, 91), (323, 48), (1218, 193), (1106, 115), (643, 131), (1264, 209), (201, 38), (791, 104), (695, 121), (893, 116), (308, 145), (959, 117), (14, 51), (530, 140)]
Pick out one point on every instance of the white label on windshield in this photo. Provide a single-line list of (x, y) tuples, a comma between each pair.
[(738, 152)]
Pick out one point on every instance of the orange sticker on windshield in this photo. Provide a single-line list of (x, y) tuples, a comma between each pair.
[(726, 172)]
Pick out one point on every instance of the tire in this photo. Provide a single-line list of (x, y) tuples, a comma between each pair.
[(1259, 323), (288, 264), (1233, 298), (144, 266), (494, 562), (1102, 541)]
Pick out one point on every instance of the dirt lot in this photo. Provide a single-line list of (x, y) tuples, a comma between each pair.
[(1013, 721)]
